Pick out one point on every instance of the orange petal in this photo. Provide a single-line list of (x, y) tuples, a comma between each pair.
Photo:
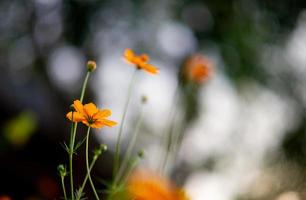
[(103, 122), (144, 57), (129, 54), (85, 122), (102, 114), (97, 125), (90, 109), (150, 68), (78, 106), (109, 123), (77, 117)]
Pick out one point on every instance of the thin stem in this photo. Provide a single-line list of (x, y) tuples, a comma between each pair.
[(87, 165), (129, 150), (63, 186), (86, 177), (84, 86), (168, 131), (118, 143), (71, 151), (177, 133), (72, 137), (133, 163)]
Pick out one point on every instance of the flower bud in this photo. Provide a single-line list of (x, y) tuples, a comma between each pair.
[(72, 108), (91, 65), (97, 152), (103, 147), (144, 99), (62, 170), (141, 153)]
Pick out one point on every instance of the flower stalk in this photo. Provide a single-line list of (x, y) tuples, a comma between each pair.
[(97, 153), (87, 166), (168, 132), (73, 135), (63, 173), (118, 143), (129, 150)]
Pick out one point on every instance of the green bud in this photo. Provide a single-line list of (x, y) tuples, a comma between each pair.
[(91, 65), (72, 108), (144, 99), (62, 170), (103, 147), (141, 153), (97, 152)]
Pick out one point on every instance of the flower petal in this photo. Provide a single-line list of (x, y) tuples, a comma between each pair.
[(129, 56), (144, 57), (102, 114), (149, 68), (108, 123), (128, 53), (90, 109), (85, 122), (77, 117), (78, 106), (97, 125), (103, 122)]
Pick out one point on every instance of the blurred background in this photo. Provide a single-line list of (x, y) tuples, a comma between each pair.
[(246, 136)]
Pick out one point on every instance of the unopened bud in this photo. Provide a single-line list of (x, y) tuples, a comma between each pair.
[(103, 147), (62, 170), (72, 108), (91, 65), (97, 152), (144, 99), (141, 153)]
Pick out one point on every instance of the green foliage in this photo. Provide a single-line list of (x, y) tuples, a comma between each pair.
[(20, 129)]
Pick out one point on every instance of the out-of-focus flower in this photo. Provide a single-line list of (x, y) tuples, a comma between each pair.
[(146, 185), (140, 61), (91, 65), (47, 187), (5, 197), (197, 69), (181, 195), (90, 115), (19, 130)]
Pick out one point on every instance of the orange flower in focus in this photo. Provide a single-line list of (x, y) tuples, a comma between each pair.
[(140, 61), (197, 69), (144, 185), (90, 115)]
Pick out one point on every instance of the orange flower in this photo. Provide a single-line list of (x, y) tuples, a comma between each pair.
[(145, 185), (140, 61), (181, 195), (197, 69), (90, 115), (4, 197)]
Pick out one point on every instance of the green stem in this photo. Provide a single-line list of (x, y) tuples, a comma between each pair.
[(87, 165), (129, 150), (118, 143), (168, 131), (86, 177), (84, 86), (71, 151), (133, 163), (63, 186), (72, 137), (177, 135)]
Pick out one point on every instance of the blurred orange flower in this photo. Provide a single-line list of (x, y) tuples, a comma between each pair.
[(90, 115), (5, 197), (145, 185), (197, 69), (140, 61)]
